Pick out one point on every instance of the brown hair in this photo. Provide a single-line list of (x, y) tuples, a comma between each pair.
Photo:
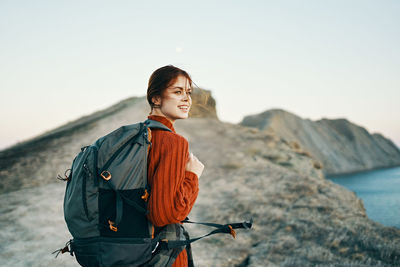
[(161, 78)]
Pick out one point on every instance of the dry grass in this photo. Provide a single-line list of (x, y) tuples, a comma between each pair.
[(232, 165)]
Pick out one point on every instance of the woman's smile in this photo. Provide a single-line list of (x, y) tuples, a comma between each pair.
[(184, 108)]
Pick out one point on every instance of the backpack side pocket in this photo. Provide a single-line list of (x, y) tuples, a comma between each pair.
[(81, 196)]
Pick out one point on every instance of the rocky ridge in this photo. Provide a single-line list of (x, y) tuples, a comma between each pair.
[(339, 144)]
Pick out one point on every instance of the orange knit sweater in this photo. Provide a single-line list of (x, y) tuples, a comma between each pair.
[(173, 189)]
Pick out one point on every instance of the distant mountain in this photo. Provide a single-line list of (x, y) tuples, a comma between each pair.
[(342, 146), (300, 218)]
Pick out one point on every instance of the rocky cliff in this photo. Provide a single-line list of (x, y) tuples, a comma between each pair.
[(340, 145), (300, 219)]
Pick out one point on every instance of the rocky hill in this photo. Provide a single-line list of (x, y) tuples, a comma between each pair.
[(340, 145), (300, 218)]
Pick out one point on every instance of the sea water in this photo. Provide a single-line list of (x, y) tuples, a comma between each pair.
[(380, 192)]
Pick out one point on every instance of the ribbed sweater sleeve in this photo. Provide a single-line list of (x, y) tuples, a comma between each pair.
[(173, 189)]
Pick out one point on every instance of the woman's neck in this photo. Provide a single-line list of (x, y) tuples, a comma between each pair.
[(157, 112)]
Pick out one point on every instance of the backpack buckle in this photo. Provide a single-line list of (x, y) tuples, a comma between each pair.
[(232, 232), (112, 227), (106, 175), (145, 195)]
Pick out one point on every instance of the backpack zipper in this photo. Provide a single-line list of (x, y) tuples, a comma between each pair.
[(85, 207)]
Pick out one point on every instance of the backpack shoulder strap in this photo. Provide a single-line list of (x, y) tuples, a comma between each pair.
[(156, 124)]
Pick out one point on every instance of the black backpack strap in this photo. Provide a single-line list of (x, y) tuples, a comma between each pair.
[(221, 228), (119, 209), (188, 250)]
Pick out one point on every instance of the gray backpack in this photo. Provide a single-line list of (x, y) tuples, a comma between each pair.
[(105, 205)]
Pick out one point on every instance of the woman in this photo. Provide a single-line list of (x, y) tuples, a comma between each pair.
[(172, 172)]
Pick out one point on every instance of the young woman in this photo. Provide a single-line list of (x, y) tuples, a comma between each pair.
[(172, 172)]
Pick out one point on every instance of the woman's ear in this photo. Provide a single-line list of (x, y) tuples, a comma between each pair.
[(156, 100)]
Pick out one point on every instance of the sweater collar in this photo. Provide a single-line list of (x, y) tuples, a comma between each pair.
[(163, 120)]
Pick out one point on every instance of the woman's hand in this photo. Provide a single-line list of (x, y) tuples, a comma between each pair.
[(194, 165)]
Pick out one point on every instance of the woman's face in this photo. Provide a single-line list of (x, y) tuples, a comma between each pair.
[(176, 100)]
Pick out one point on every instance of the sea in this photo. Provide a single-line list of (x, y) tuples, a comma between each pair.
[(380, 192)]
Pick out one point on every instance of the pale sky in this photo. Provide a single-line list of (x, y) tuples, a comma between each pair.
[(60, 60)]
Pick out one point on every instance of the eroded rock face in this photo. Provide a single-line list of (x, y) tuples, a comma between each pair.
[(203, 105), (340, 145), (300, 219)]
